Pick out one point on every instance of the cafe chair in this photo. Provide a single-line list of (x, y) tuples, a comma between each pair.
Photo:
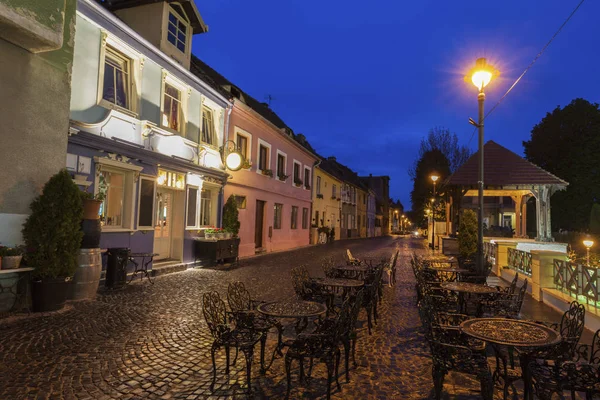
[(243, 308), (227, 336), (350, 260), (306, 289), (328, 265), (582, 374)]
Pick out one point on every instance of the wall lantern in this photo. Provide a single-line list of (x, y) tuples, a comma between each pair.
[(231, 156)]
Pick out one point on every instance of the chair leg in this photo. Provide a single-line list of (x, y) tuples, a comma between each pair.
[(301, 370), (438, 382), (337, 369), (375, 311), (214, 363), (354, 352), (227, 359), (249, 354), (347, 357), (369, 324), (487, 387), (263, 343), (288, 372)]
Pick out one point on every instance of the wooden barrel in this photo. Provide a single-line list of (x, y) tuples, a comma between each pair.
[(87, 277)]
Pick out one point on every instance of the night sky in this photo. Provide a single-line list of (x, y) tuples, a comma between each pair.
[(365, 81)]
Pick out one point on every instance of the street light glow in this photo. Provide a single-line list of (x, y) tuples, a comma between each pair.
[(434, 178), (482, 74)]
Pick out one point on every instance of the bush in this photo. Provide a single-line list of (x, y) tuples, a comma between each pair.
[(467, 234), (231, 221), (52, 232)]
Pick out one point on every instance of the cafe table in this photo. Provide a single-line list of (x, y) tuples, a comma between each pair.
[(353, 271), (451, 274), (471, 289), (525, 336), (300, 310)]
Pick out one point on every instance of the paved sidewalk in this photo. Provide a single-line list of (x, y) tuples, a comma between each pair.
[(152, 341)]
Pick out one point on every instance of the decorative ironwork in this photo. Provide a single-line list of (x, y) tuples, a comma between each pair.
[(520, 260), (292, 309), (578, 280), (511, 332), (468, 287)]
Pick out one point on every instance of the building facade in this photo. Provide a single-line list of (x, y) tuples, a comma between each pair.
[(145, 132), (396, 212), (371, 213), (326, 200), (381, 186), (36, 43), (361, 211)]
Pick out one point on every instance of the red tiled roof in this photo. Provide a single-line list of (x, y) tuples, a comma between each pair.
[(502, 167)]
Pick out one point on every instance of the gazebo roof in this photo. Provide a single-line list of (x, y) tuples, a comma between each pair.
[(502, 167)]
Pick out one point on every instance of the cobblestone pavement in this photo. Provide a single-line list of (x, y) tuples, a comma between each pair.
[(151, 341)]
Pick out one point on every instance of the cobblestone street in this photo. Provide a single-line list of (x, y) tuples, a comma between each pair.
[(151, 341)]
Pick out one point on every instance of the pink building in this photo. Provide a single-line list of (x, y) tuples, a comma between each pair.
[(274, 190)]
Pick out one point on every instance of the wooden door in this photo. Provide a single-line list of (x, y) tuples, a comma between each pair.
[(259, 223)]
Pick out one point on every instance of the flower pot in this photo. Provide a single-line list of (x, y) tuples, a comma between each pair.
[(209, 236), (11, 262), (91, 209), (91, 233), (227, 235), (49, 294)]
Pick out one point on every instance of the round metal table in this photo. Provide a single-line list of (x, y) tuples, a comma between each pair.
[(339, 282), (463, 288), (353, 271), (525, 335)]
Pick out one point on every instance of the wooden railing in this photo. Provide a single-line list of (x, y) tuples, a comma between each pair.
[(520, 261), (577, 280)]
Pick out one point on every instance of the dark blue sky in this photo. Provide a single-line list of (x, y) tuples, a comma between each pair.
[(365, 81)]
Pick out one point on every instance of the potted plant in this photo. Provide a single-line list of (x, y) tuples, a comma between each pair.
[(52, 238), (231, 221), (91, 204), (297, 181), (282, 177), (319, 196), (11, 257), (210, 233), (267, 172)]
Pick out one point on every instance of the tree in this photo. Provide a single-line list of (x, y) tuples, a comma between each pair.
[(467, 234), (231, 221), (431, 162), (566, 142), (445, 141)]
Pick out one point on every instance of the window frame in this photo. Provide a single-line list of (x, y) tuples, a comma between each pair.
[(267, 145), (294, 217), (187, 35), (285, 160), (213, 135), (318, 185), (187, 207), (185, 91), (299, 164), (240, 132), (305, 217), (306, 184), (334, 191), (139, 198), (277, 221), (135, 70)]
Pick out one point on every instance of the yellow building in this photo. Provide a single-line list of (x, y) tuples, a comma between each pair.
[(361, 212), (326, 201)]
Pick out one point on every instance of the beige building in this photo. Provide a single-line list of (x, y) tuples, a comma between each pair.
[(326, 201), (361, 212)]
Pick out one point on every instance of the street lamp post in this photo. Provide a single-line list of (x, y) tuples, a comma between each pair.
[(588, 243), (434, 178), (480, 75)]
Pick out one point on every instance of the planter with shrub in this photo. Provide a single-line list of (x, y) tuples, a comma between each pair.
[(11, 257), (52, 235)]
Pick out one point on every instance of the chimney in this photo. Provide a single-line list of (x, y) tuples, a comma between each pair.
[(301, 138), (331, 158)]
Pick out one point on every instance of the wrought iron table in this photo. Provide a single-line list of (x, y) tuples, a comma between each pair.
[(463, 288), (353, 271), (297, 309), (141, 267), (523, 335), (451, 273)]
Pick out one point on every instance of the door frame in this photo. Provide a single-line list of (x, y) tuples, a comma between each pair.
[(262, 223)]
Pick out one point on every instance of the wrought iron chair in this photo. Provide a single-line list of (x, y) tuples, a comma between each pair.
[(505, 304), (307, 290), (351, 260), (323, 344), (215, 314), (582, 374), (243, 308), (349, 333), (328, 265)]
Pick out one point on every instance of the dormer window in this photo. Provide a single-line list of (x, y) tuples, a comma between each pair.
[(177, 31)]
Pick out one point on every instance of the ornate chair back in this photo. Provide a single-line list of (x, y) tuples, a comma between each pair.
[(215, 313), (513, 285), (327, 265), (572, 324), (300, 279), (238, 297), (595, 353)]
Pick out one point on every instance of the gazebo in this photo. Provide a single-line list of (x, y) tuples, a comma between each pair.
[(505, 174)]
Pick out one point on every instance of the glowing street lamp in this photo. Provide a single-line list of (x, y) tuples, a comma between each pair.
[(434, 178), (480, 76), (588, 243)]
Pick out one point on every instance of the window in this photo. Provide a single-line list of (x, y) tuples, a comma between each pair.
[(208, 126), (146, 203), (364, 222), (241, 201), (117, 83), (242, 145), (205, 207), (316, 218), (294, 224), (192, 208), (264, 156), (177, 31), (343, 221), (281, 166), (318, 185), (112, 185), (352, 222), (277, 216), (334, 191), (297, 177), (171, 114), (307, 178), (304, 218), (358, 220)]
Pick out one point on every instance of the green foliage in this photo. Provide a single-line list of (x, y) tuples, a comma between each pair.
[(11, 251), (467, 234), (566, 143), (52, 232), (595, 219), (231, 221), (432, 161)]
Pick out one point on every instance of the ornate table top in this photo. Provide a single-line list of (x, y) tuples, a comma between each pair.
[(339, 282), (360, 268), (292, 309), (449, 269), (468, 287), (510, 332)]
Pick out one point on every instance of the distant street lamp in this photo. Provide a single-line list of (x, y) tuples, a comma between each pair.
[(480, 75), (434, 178), (588, 243)]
